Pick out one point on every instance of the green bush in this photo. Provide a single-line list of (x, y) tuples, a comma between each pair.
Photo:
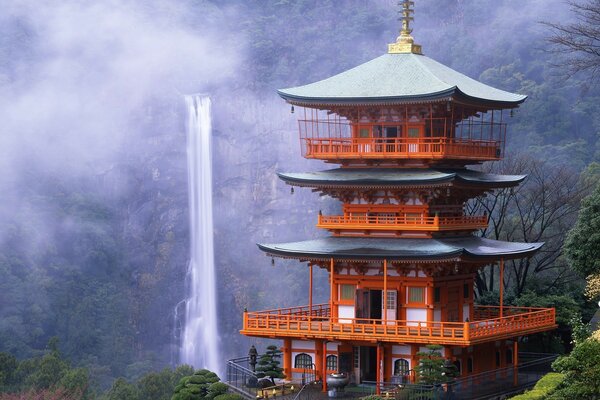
[(543, 388), (229, 396)]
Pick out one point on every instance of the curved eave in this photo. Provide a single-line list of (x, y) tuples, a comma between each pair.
[(416, 250), (336, 179), (454, 94)]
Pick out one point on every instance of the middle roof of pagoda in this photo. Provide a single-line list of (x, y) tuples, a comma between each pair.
[(399, 79), (399, 177)]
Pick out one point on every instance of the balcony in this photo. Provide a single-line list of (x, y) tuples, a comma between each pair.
[(487, 325), (403, 222), (433, 139)]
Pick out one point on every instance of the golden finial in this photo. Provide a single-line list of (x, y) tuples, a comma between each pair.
[(405, 42)]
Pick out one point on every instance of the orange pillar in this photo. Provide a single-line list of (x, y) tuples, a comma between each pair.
[(501, 287), (287, 358), (331, 287), (385, 308), (387, 363), (515, 362), (429, 300), (324, 362), (319, 361), (310, 290), (379, 379)]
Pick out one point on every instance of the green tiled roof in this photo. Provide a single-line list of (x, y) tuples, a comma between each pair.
[(340, 248), (398, 177), (398, 78)]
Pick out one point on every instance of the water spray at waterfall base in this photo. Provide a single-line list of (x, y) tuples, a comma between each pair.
[(199, 340)]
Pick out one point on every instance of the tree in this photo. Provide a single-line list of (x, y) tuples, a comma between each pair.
[(541, 209), (122, 390), (8, 366), (582, 246), (579, 42), (433, 368), (268, 364), (197, 386), (582, 372)]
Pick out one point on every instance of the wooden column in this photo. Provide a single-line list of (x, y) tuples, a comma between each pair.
[(310, 291), (501, 287), (319, 361), (387, 363), (429, 299), (287, 358), (384, 293), (324, 362), (379, 379), (331, 287), (515, 362)]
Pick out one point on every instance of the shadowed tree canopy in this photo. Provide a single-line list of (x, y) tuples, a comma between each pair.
[(582, 246)]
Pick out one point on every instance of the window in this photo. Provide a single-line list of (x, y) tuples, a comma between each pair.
[(391, 300), (466, 291), (437, 295), (331, 363), (303, 360), (401, 367), (416, 295), (347, 292), (356, 356), (413, 132), (363, 132)]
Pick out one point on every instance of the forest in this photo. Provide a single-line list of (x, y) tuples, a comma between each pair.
[(94, 233)]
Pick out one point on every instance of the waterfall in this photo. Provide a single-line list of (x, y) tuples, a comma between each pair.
[(199, 341)]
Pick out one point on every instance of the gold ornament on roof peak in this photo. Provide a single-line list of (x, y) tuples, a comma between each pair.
[(405, 43)]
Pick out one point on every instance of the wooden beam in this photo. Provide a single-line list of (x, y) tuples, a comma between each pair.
[(331, 288), (501, 287), (384, 292), (379, 379)]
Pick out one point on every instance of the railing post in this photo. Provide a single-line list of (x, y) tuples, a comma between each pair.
[(466, 331)]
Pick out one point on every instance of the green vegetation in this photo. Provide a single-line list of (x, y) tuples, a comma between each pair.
[(269, 365), (581, 370), (545, 386), (433, 368)]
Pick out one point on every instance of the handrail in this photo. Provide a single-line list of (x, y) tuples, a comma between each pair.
[(532, 319), (403, 221)]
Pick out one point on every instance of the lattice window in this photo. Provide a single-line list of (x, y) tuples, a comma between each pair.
[(391, 300), (416, 295), (303, 360), (331, 362), (401, 367), (347, 292)]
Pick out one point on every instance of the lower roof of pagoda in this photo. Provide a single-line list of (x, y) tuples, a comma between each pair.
[(466, 248), (399, 177)]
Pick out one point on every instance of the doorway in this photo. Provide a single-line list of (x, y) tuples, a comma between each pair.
[(369, 304), (368, 363)]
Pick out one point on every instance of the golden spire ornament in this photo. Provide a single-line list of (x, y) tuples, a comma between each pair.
[(405, 43)]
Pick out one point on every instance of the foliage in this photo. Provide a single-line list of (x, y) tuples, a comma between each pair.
[(581, 370), (268, 364), (582, 246), (228, 396), (122, 390), (544, 387), (580, 331), (433, 368), (203, 384)]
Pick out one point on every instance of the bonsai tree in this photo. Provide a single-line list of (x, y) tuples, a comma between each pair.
[(433, 368), (268, 365), (204, 384)]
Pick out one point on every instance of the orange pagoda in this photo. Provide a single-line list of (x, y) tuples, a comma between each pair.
[(402, 254)]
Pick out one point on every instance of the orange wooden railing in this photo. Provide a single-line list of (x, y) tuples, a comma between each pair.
[(318, 324), (436, 148), (403, 222)]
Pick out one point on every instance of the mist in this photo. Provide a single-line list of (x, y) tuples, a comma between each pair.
[(92, 152)]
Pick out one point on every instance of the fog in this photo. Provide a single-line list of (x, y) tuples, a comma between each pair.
[(91, 105)]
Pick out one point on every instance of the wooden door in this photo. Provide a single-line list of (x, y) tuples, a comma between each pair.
[(362, 305), (452, 310), (414, 133)]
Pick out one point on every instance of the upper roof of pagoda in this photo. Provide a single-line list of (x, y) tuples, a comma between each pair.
[(399, 78)]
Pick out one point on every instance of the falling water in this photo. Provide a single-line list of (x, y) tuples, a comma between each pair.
[(199, 342)]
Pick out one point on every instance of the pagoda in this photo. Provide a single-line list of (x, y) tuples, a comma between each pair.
[(402, 254)]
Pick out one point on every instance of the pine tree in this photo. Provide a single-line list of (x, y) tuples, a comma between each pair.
[(268, 365), (433, 368)]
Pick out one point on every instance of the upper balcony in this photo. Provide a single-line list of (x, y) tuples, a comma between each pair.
[(487, 325), (468, 141), (403, 222)]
